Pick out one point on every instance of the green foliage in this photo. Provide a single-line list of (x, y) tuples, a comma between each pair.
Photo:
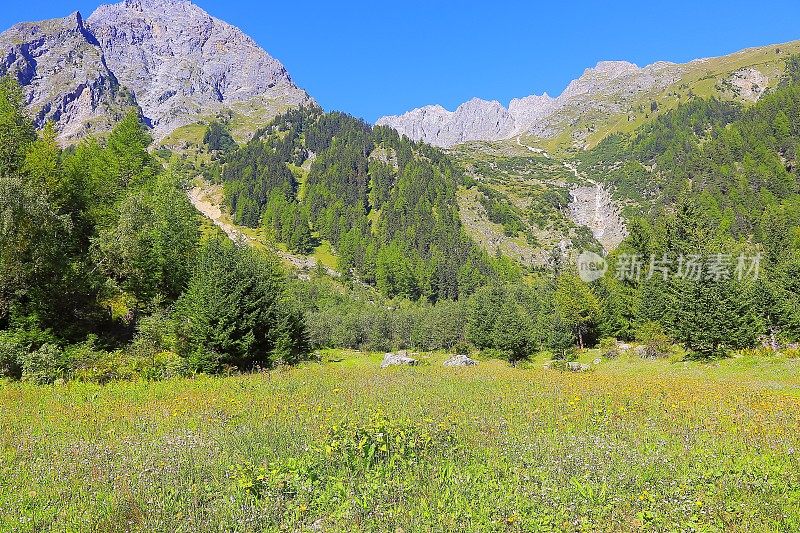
[(499, 211), (149, 250), (233, 312), (511, 333), (386, 205), (43, 365), (386, 440), (715, 180), (218, 139), (12, 351), (96, 243), (792, 74), (16, 128), (577, 307), (509, 319)]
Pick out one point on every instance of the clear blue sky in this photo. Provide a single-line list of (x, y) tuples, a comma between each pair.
[(375, 58)]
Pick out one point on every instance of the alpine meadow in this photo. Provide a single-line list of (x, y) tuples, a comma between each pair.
[(226, 308)]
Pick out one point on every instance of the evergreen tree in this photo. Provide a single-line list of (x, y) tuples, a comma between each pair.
[(234, 312)]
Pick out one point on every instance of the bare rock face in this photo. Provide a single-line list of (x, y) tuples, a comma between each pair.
[(64, 76), (594, 207), (472, 121), (749, 84), (609, 87), (529, 114), (182, 63), (168, 57)]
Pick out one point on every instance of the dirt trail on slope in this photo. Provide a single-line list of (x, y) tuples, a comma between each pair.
[(207, 199), (203, 200)]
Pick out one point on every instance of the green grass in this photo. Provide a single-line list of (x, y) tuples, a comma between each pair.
[(191, 133), (325, 256), (344, 445)]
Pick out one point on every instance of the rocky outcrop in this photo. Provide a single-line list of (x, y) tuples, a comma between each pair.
[(609, 87), (400, 358), (749, 84), (460, 360), (169, 58), (181, 63), (64, 76), (593, 206)]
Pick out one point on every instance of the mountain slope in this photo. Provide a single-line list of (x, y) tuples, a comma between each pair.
[(62, 70), (614, 96), (182, 63), (168, 57)]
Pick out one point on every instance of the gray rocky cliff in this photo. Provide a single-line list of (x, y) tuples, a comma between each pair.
[(609, 87), (169, 58), (181, 63), (63, 75)]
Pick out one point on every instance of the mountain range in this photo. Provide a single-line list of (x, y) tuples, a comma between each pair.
[(177, 65), (168, 58), (612, 96)]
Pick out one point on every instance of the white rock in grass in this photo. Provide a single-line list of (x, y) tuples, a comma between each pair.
[(460, 360), (577, 367), (398, 359)]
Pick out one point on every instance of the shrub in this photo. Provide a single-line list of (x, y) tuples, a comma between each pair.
[(103, 367), (84, 362), (656, 342), (234, 306), (792, 352), (162, 365), (44, 365), (154, 334), (11, 352), (386, 440)]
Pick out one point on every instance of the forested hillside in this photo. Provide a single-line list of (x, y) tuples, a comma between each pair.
[(103, 272), (107, 272), (386, 204), (715, 181)]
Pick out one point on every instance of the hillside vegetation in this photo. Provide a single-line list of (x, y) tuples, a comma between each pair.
[(108, 273)]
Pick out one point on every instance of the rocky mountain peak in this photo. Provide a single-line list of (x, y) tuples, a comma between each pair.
[(60, 66), (180, 62), (170, 58), (608, 87), (471, 121), (141, 5)]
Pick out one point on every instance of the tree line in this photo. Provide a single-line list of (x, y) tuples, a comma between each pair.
[(104, 272)]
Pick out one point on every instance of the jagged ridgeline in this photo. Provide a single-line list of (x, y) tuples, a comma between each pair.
[(386, 204)]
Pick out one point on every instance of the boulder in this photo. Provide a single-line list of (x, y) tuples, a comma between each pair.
[(646, 352), (577, 367), (460, 360), (398, 359)]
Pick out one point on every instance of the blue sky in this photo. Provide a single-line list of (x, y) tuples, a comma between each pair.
[(375, 58)]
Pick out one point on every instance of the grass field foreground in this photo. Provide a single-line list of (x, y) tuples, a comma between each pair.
[(344, 445)]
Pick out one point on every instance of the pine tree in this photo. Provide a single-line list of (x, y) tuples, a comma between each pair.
[(234, 312)]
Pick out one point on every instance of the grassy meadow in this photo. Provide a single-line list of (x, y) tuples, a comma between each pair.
[(632, 445)]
